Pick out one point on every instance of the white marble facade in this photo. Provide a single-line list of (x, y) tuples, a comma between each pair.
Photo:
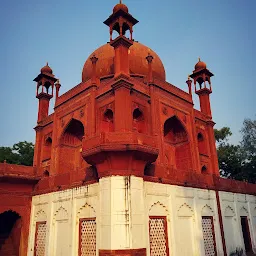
[(122, 207)]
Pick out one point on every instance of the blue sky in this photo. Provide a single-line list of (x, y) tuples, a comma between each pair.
[(65, 33)]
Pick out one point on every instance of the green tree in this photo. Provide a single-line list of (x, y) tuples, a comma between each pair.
[(7, 154), (20, 153), (238, 161), (229, 156), (222, 134), (249, 149)]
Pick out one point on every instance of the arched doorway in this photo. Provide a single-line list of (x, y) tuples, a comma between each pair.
[(10, 231)]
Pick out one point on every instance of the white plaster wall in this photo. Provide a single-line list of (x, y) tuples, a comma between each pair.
[(233, 206), (61, 211), (122, 206), (184, 208), (122, 213)]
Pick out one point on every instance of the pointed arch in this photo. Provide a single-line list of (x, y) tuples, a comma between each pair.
[(207, 211), (71, 143), (176, 135), (72, 133), (243, 211), (40, 216), (61, 214), (174, 131), (229, 212), (185, 211), (10, 230), (139, 124), (47, 146), (158, 209), (86, 211), (107, 122)]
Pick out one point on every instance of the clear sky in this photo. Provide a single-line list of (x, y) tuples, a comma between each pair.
[(65, 33)]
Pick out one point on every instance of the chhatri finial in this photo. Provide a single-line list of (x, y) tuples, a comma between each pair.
[(47, 64), (199, 59), (188, 77), (120, 1)]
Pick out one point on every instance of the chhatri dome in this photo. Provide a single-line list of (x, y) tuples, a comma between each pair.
[(138, 52), (46, 69), (200, 65), (120, 6)]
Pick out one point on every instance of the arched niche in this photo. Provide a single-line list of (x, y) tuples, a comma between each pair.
[(47, 147), (185, 211), (40, 216), (158, 209), (185, 233), (243, 211), (7, 221), (86, 211), (61, 214), (204, 169), (10, 230), (62, 232), (202, 145), (138, 121), (207, 211), (107, 121), (176, 135), (229, 212), (71, 143)]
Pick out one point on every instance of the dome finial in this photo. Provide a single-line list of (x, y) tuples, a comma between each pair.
[(120, 1), (199, 59), (47, 64)]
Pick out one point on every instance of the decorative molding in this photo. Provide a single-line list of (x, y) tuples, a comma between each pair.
[(40, 216), (185, 211), (243, 211), (159, 204), (207, 211), (229, 212), (88, 215), (61, 214)]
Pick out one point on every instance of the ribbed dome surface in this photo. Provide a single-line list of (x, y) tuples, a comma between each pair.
[(138, 63)]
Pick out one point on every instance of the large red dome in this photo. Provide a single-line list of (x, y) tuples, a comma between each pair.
[(138, 63)]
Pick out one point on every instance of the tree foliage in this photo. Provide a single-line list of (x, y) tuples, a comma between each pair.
[(20, 153), (238, 161)]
